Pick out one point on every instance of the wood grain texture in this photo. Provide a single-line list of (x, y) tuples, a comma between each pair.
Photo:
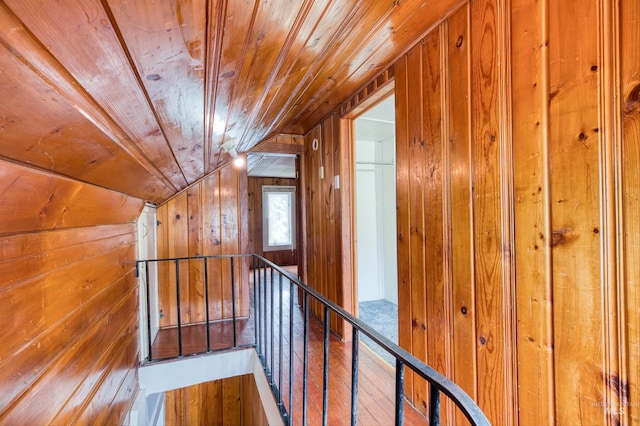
[(254, 193), (629, 57), (459, 171), (561, 76), (610, 195), (324, 217), (417, 204), (433, 93), (230, 48), (425, 150), (163, 86), (172, 73), (38, 201), (283, 143), (403, 222), (491, 245), (538, 213), (71, 298), (534, 295), (67, 130), (538, 170), (315, 39), (206, 219), (261, 53), (399, 25), (576, 244), (100, 64), (212, 241), (333, 217), (613, 255), (230, 401), (347, 253), (196, 269), (230, 197)]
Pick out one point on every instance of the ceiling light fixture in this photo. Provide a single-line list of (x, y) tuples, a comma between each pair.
[(237, 160), (229, 146)]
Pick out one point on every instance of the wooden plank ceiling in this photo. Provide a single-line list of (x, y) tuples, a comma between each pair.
[(143, 97)]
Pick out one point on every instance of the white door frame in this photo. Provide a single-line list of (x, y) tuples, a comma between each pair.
[(148, 249)]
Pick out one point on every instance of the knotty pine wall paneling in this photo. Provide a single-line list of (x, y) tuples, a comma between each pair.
[(207, 219), (415, 164), (324, 218), (534, 292), (517, 208), (457, 199), (575, 220), (405, 317), (629, 196), (212, 240), (584, 134), (492, 200), (70, 298), (435, 267), (229, 401), (279, 257), (438, 294)]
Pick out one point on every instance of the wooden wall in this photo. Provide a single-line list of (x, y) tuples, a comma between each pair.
[(230, 401), (626, 183), (518, 219), (68, 295), (279, 257), (207, 219), (327, 219)]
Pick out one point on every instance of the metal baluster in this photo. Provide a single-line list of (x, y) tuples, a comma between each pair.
[(146, 272), (354, 377), (233, 304), (178, 297), (256, 330), (434, 405), (264, 312), (280, 338), (272, 326), (305, 362), (260, 307), (206, 300), (399, 392), (325, 369), (290, 352)]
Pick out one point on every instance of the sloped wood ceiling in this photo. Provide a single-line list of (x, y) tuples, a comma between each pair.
[(140, 96)]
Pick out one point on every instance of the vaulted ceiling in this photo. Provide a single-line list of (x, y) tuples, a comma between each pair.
[(144, 97)]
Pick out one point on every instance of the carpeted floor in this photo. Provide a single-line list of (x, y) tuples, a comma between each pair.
[(382, 316)]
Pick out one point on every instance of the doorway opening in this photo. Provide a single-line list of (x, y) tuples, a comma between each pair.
[(375, 212), (148, 249), (274, 206)]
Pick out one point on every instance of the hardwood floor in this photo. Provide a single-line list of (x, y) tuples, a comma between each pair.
[(194, 338), (376, 379)]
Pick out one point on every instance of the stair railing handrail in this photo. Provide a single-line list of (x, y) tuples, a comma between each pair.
[(460, 398)]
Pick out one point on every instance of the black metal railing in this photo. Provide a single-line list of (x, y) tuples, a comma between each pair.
[(267, 305), (173, 271)]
